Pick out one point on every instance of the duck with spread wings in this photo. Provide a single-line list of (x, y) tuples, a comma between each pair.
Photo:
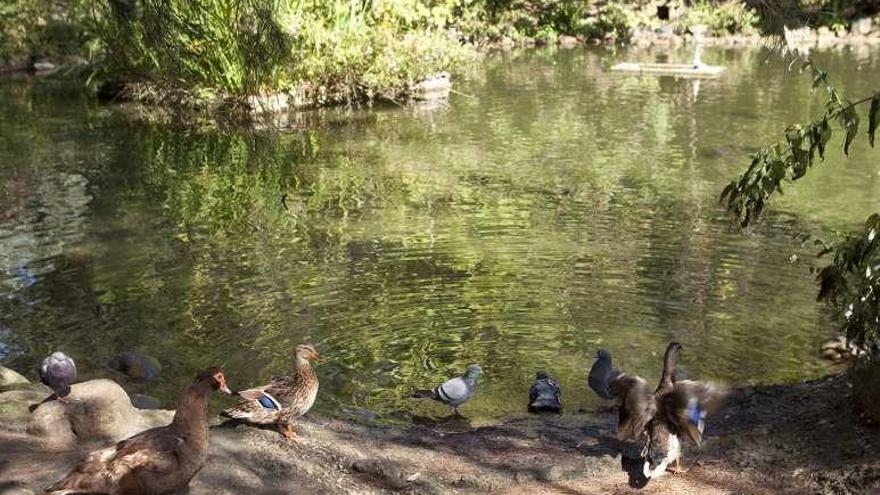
[(675, 409)]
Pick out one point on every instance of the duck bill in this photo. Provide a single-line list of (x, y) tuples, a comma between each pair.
[(223, 387)]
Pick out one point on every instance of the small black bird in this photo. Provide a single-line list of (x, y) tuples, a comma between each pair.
[(544, 394), (58, 372), (601, 375)]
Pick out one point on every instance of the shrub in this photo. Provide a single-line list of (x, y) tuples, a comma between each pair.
[(720, 19)]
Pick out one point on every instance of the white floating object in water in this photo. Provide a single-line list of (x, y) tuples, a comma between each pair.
[(695, 69), (679, 70)]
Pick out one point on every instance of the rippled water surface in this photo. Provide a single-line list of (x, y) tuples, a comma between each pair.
[(549, 209)]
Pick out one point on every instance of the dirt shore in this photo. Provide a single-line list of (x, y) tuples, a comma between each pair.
[(804, 438)]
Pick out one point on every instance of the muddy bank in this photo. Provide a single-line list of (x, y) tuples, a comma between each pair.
[(805, 438)]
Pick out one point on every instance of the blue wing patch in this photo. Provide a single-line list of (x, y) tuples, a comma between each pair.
[(269, 402), (696, 414)]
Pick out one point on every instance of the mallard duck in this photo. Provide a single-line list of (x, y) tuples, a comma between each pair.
[(284, 399), (455, 391), (544, 394), (673, 410), (157, 461)]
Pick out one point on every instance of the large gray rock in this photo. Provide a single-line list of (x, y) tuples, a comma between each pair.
[(863, 27), (96, 410), (10, 377), (14, 404), (136, 366)]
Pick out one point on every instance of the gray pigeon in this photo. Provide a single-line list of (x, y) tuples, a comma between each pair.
[(455, 391), (601, 375), (544, 394), (58, 372)]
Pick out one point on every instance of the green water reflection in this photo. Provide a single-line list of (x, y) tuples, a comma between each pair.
[(553, 208)]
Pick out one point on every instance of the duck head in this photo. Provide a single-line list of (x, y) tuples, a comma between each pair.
[(307, 352), (214, 378)]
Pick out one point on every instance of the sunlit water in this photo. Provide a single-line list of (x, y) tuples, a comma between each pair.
[(549, 209)]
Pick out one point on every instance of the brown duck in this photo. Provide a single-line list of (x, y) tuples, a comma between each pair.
[(157, 461), (284, 399), (673, 410)]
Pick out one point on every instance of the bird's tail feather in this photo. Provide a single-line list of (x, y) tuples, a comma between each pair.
[(424, 394)]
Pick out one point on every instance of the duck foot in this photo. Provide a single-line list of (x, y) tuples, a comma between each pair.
[(676, 469), (288, 432)]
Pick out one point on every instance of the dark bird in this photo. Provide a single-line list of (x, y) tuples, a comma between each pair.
[(601, 375), (675, 409), (57, 372), (455, 391), (157, 461), (545, 394)]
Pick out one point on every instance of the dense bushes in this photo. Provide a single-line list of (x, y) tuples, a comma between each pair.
[(41, 28), (232, 47)]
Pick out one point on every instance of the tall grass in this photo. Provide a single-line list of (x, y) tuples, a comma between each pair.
[(342, 49), (231, 46)]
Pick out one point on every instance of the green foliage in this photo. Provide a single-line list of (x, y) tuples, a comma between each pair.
[(42, 28), (242, 47), (851, 283), (791, 157), (721, 18), (611, 20)]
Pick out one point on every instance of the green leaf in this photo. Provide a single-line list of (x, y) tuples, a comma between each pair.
[(824, 135), (820, 77), (849, 121), (873, 118)]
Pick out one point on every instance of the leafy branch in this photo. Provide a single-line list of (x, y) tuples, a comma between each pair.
[(852, 282), (790, 158)]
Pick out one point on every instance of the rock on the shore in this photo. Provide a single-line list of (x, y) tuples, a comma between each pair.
[(95, 410), (863, 27), (136, 366), (14, 404), (567, 41), (10, 377), (436, 86)]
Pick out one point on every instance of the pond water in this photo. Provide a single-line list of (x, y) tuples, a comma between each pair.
[(549, 209)]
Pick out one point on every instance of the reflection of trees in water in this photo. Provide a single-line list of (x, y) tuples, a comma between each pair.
[(44, 215)]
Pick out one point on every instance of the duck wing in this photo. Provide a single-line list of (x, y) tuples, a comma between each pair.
[(688, 404), (260, 404), (637, 405), (117, 469)]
